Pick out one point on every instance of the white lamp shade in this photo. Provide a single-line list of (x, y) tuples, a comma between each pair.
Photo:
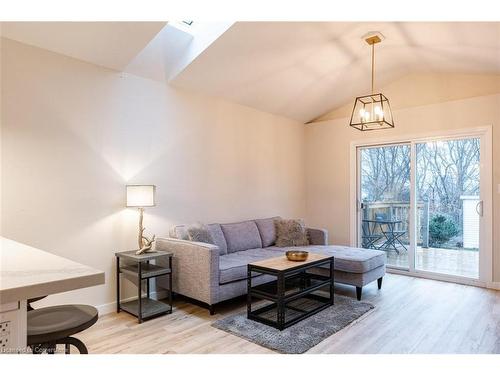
[(140, 195)]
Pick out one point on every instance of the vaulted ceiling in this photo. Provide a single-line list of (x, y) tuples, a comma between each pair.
[(302, 70), (299, 70), (109, 44)]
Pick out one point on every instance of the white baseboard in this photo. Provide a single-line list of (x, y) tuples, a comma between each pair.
[(110, 307), (493, 285), (425, 275), (438, 277)]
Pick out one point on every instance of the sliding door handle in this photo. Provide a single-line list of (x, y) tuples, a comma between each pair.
[(479, 208)]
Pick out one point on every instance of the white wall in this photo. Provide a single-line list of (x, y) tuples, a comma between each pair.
[(73, 134), (328, 153)]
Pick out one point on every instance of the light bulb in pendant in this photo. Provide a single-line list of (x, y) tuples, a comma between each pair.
[(362, 114)]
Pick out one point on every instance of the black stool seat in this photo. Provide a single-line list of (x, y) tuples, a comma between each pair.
[(55, 323)]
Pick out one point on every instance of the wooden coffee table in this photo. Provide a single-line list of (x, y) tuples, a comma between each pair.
[(294, 294)]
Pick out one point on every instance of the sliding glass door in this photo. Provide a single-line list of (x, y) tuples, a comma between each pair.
[(420, 202), (385, 201), (448, 185)]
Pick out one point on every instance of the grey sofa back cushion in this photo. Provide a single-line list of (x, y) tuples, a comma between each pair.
[(267, 230), (241, 236), (199, 232), (181, 232), (218, 237)]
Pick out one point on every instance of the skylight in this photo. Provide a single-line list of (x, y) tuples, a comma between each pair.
[(187, 26)]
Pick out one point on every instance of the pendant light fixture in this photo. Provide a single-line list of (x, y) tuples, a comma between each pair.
[(372, 112)]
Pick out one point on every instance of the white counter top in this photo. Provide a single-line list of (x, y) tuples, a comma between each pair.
[(27, 272)]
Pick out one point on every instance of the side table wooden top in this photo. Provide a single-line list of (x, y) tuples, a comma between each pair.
[(131, 255)]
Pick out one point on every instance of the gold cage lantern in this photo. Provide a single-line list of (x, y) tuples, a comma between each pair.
[(373, 111)]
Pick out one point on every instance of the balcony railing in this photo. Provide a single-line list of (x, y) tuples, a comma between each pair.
[(400, 211)]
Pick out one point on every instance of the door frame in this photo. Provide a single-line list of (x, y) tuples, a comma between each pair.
[(486, 194)]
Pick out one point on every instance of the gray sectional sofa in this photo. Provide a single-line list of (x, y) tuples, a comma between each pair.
[(212, 273)]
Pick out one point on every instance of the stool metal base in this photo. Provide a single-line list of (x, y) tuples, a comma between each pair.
[(51, 347)]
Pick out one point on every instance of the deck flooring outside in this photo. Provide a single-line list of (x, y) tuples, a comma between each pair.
[(446, 261)]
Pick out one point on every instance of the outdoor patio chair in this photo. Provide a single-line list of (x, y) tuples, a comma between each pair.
[(392, 238), (368, 238), (388, 229)]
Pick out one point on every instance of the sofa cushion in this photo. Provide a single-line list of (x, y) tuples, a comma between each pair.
[(351, 278), (233, 266), (351, 259), (267, 230), (218, 237), (199, 232), (291, 233), (181, 232), (241, 236)]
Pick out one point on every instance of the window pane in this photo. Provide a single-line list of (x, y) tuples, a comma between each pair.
[(447, 187), (385, 196)]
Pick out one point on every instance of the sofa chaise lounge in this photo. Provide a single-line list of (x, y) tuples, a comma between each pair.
[(212, 273)]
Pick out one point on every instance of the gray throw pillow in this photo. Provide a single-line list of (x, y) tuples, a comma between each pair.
[(199, 233), (291, 233)]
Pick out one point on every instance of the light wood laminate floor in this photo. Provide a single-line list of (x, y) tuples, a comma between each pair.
[(411, 316)]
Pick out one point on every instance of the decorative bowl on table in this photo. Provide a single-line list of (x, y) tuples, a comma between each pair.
[(297, 255)]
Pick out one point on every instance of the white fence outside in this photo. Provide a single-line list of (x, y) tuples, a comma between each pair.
[(470, 221)]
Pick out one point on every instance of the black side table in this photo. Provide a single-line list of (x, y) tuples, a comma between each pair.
[(139, 266)]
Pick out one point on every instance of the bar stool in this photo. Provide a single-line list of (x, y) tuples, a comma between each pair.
[(49, 326)]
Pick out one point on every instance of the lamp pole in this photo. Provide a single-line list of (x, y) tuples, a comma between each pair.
[(141, 228)]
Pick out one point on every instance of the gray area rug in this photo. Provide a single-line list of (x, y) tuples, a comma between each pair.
[(302, 336)]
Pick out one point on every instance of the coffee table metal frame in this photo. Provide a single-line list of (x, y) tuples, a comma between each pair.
[(280, 300)]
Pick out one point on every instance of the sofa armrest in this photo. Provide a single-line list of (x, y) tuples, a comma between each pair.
[(317, 236), (195, 266)]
